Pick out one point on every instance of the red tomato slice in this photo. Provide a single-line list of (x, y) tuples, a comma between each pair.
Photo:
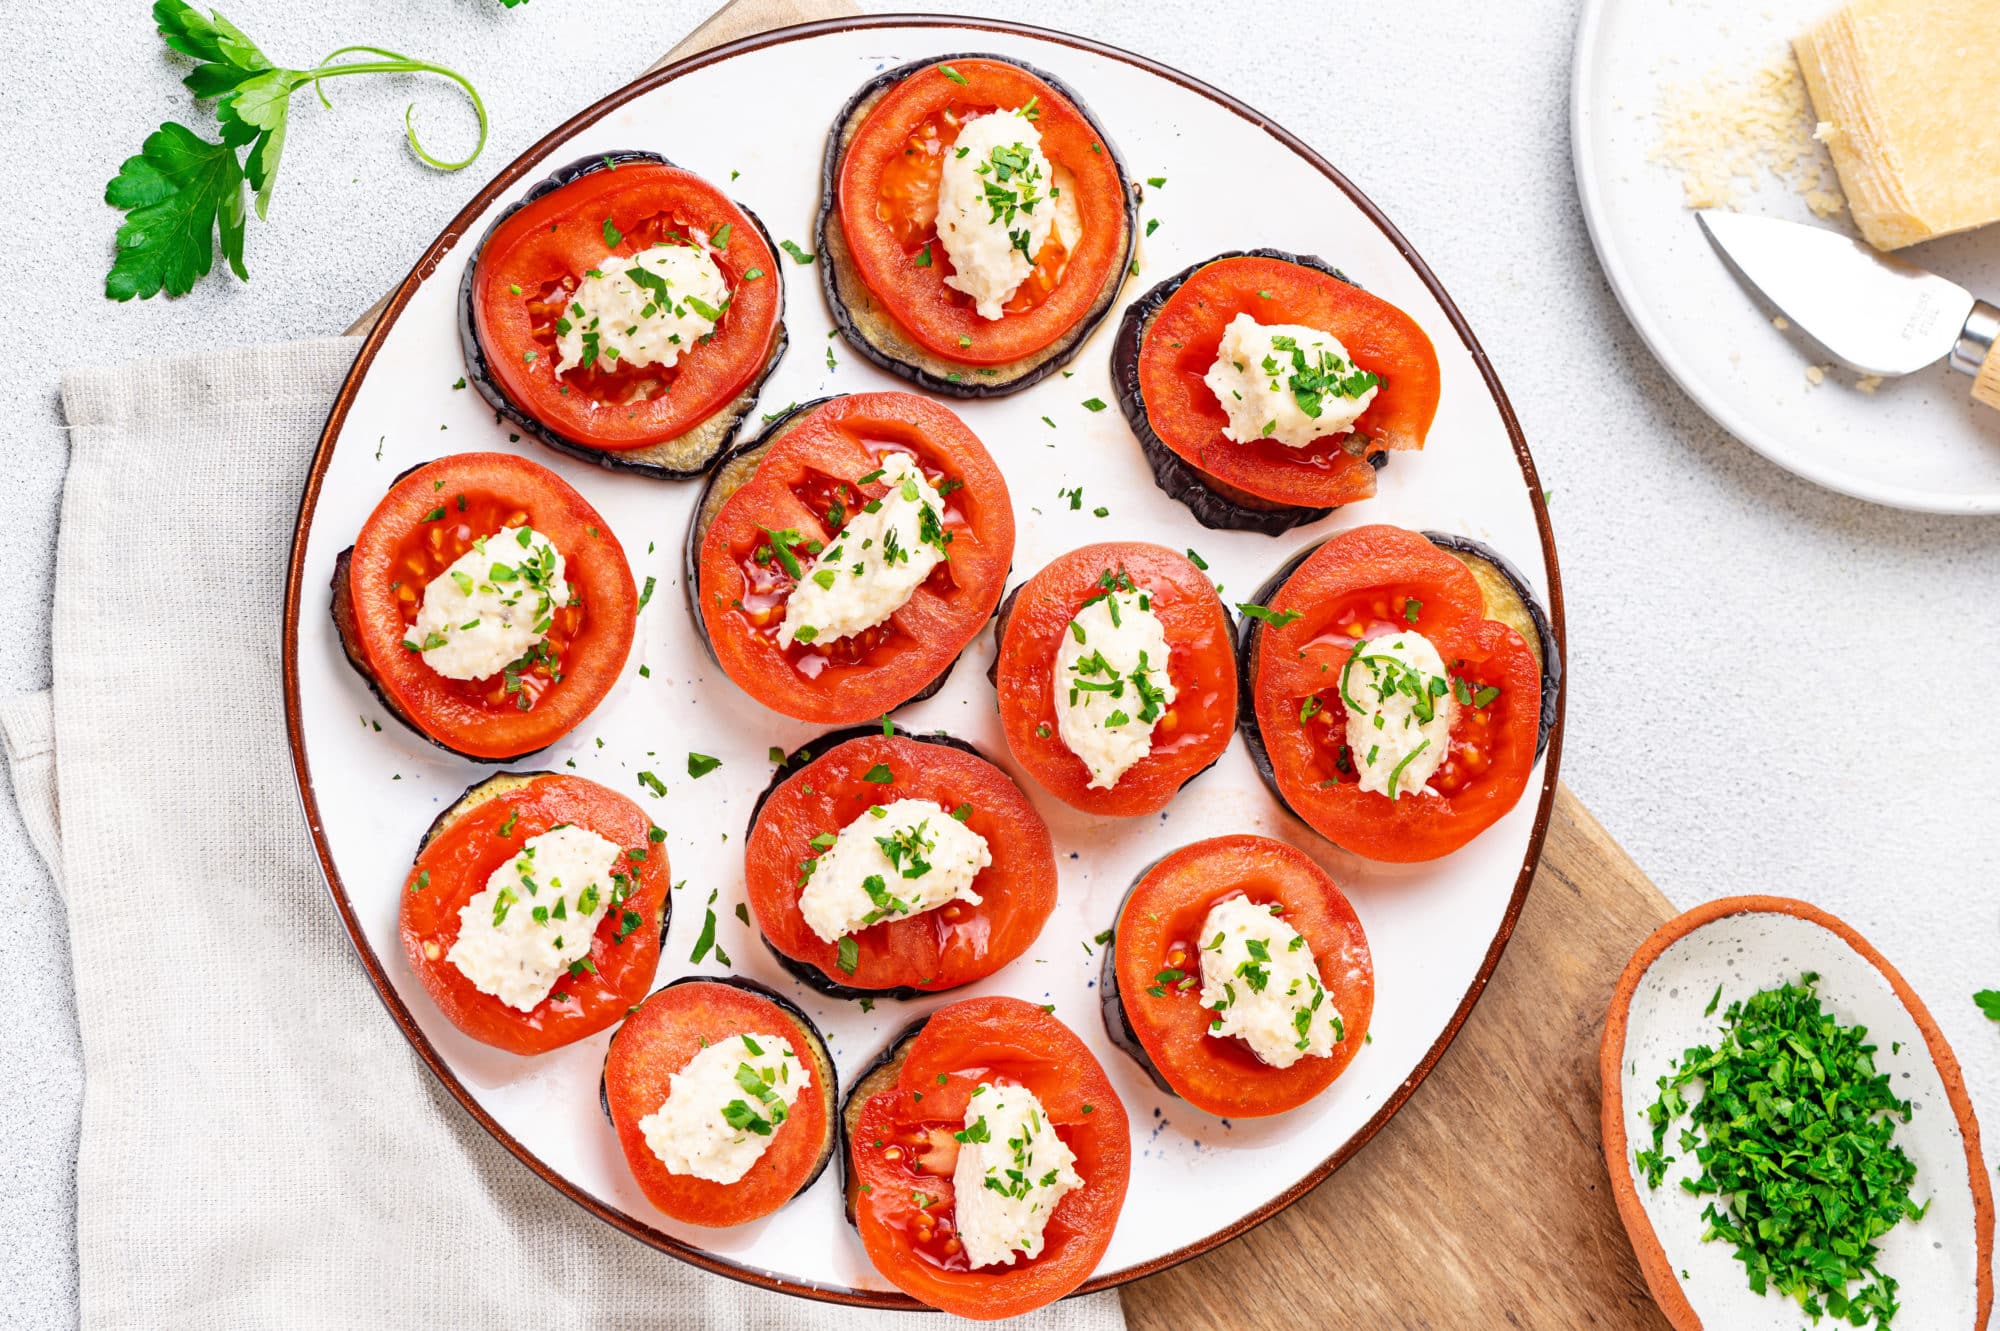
[(1362, 584), (888, 209), (815, 465), (453, 867), (1187, 739), (937, 950), (531, 262), (1159, 929), (427, 520), (659, 1040), (1179, 347), (904, 1149)]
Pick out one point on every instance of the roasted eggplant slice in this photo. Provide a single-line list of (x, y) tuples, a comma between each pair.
[(821, 788), (725, 1008), (743, 357), (878, 1076), (922, 347), (812, 473), (1263, 486), (1507, 600)]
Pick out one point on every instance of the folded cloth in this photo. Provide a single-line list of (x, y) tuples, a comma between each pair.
[(260, 1148)]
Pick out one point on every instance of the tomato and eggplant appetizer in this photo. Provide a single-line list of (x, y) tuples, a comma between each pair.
[(625, 312), (724, 1100), (895, 865), (839, 563), (1238, 977), (536, 908), (487, 605), (976, 224), (1116, 675), (987, 1159), (1266, 388), (1397, 688)]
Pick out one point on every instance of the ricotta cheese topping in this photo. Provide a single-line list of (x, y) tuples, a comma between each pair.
[(874, 564), (492, 606), (894, 861), (1262, 982), (723, 1108), (532, 922), (998, 200), (1287, 383), (1111, 682), (1012, 1171), (1399, 712), (641, 310)]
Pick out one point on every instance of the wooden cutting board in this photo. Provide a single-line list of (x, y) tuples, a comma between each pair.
[(1484, 1202)]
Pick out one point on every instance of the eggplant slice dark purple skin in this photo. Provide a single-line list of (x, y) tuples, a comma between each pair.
[(879, 1076), (1215, 505), (804, 972), (1508, 599), (1117, 1024), (504, 783), (679, 459), (729, 475), (1000, 632), (826, 1077), (874, 332)]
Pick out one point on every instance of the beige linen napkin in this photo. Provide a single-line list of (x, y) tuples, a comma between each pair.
[(260, 1149)]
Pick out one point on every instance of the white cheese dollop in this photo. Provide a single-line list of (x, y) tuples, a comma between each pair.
[(1287, 383), (492, 605), (995, 209), (535, 916), (1111, 683), (1400, 732), (873, 565), (1262, 982), (724, 1108), (1012, 1170), (895, 861), (618, 318)]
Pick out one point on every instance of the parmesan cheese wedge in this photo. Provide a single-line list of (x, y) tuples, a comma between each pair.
[(1904, 91)]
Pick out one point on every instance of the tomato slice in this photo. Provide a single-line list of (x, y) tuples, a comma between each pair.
[(483, 832), (811, 476), (888, 191), (660, 1039), (1362, 584), (927, 953), (429, 518), (532, 260), (1159, 929), (904, 1151), (1188, 738), (1178, 347)]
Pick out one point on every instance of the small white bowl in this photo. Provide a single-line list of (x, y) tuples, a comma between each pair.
[(1942, 1264)]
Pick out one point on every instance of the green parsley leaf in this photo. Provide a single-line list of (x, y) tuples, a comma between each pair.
[(798, 255), (700, 764)]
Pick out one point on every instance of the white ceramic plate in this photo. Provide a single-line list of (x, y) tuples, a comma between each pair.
[(1436, 930), (1918, 442), (1740, 947)]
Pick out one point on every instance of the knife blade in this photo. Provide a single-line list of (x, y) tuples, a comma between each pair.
[(1876, 314)]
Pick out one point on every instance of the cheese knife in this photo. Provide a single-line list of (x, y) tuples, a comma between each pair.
[(1874, 313)]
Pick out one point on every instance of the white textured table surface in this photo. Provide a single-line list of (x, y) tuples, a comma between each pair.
[(1772, 688)]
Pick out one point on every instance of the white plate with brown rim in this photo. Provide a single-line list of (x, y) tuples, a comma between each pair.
[(1436, 929)]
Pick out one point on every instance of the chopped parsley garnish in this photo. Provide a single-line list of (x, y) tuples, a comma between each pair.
[(700, 764), (1276, 619), (1793, 1140)]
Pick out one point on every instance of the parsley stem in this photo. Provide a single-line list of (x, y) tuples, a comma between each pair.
[(397, 63)]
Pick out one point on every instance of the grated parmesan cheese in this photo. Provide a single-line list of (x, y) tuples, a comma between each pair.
[(1728, 130)]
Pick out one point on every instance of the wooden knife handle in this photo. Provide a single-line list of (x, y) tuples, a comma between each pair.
[(1986, 384)]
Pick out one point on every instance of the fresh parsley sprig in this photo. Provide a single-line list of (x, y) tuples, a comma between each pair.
[(182, 192)]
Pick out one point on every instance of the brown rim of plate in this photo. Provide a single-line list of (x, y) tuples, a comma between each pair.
[(521, 169), (1653, 1263)]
